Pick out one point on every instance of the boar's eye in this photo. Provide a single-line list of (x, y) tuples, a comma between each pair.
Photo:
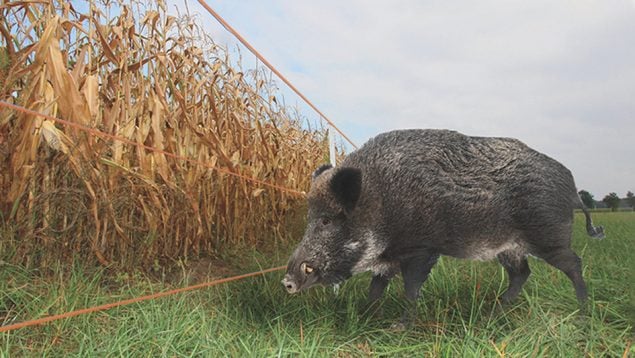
[(306, 268), (325, 221)]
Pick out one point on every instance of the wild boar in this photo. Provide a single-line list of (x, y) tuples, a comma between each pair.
[(408, 196)]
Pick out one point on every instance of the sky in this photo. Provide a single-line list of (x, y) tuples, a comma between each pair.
[(558, 75)]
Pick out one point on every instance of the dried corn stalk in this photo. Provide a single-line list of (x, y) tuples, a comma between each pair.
[(156, 80)]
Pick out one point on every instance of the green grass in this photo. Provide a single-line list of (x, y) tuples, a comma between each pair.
[(255, 317)]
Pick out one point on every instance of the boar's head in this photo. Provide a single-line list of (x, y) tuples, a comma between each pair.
[(328, 251)]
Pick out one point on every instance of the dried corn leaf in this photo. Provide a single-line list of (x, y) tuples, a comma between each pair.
[(53, 136), (90, 90)]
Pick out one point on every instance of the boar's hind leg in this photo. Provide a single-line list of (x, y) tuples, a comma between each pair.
[(515, 263), (568, 262), (415, 271)]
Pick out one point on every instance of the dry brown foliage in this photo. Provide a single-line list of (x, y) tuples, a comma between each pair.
[(131, 70)]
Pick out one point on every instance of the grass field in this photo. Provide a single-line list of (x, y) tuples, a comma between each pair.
[(255, 317)]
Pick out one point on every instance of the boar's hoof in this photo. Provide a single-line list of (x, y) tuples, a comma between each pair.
[(404, 323), (585, 308), (506, 298), (400, 326)]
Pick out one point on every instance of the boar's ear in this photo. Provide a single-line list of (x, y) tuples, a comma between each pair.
[(320, 170), (346, 185)]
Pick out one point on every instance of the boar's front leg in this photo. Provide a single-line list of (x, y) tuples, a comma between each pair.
[(415, 271), (377, 287)]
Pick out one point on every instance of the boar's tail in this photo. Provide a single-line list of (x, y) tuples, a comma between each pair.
[(596, 232)]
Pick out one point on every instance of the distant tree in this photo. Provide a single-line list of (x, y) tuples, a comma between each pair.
[(587, 199), (612, 201), (630, 199)]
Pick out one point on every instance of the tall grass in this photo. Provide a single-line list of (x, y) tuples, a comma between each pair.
[(131, 70), (457, 312)]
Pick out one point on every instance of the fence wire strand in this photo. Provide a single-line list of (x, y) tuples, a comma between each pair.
[(272, 68), (107, 306)]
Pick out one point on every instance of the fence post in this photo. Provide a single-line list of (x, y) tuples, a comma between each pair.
[(332, 146)]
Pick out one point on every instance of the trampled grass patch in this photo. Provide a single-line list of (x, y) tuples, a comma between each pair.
[(256, 317)]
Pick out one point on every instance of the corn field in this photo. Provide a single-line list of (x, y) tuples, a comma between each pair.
[(131, 70)]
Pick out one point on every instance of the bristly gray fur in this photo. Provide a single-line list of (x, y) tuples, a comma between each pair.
[(408, 196)]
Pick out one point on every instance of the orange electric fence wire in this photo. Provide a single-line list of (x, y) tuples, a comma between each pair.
[(132, 300), (270, 66), (99, 133)]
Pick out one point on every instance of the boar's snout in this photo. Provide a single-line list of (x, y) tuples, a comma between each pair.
[(289, 284)]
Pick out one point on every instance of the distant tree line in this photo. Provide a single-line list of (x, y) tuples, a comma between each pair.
[(610, 200)]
